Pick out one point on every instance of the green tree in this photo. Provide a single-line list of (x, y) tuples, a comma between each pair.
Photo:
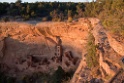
[(70, 18), (91, 58), (58, 75), (80, 9), (55, 15), (3, 8), (33, 14), (18, 3)]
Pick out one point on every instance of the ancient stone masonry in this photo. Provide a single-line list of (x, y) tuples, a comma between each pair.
[(2, 47), (59, 41), (70, 58), (68, 55), (58, 50), (28, 49)]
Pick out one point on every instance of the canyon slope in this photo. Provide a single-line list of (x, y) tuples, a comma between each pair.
[(26, 48)]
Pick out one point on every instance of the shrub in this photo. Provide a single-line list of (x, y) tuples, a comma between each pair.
[(5, 19), (91, 58), (44, 19), (70, 19), (60, 76), (26, 17), (6, 79)]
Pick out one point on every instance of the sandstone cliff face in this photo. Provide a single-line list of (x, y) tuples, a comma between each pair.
[(107, 54), (116, 45), (26, 48), (32, 48)]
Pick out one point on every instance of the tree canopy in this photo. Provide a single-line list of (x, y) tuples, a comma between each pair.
[(110, 12)]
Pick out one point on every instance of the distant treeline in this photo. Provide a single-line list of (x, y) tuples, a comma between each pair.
[(56, 11), (110, 12)]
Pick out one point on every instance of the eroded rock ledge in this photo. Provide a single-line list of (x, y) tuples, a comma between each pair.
[(26, 48), (107, 54), (29, 48)]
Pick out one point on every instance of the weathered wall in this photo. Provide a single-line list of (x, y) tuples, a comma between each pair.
[(24, 40), (26, 48)]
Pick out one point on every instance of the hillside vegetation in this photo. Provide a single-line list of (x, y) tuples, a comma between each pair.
[(26, 49), (110, 12), (90, 42)]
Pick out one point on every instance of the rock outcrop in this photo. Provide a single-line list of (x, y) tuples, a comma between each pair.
[(32, 48), (26, 48), (108, 57), (117, 46)]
